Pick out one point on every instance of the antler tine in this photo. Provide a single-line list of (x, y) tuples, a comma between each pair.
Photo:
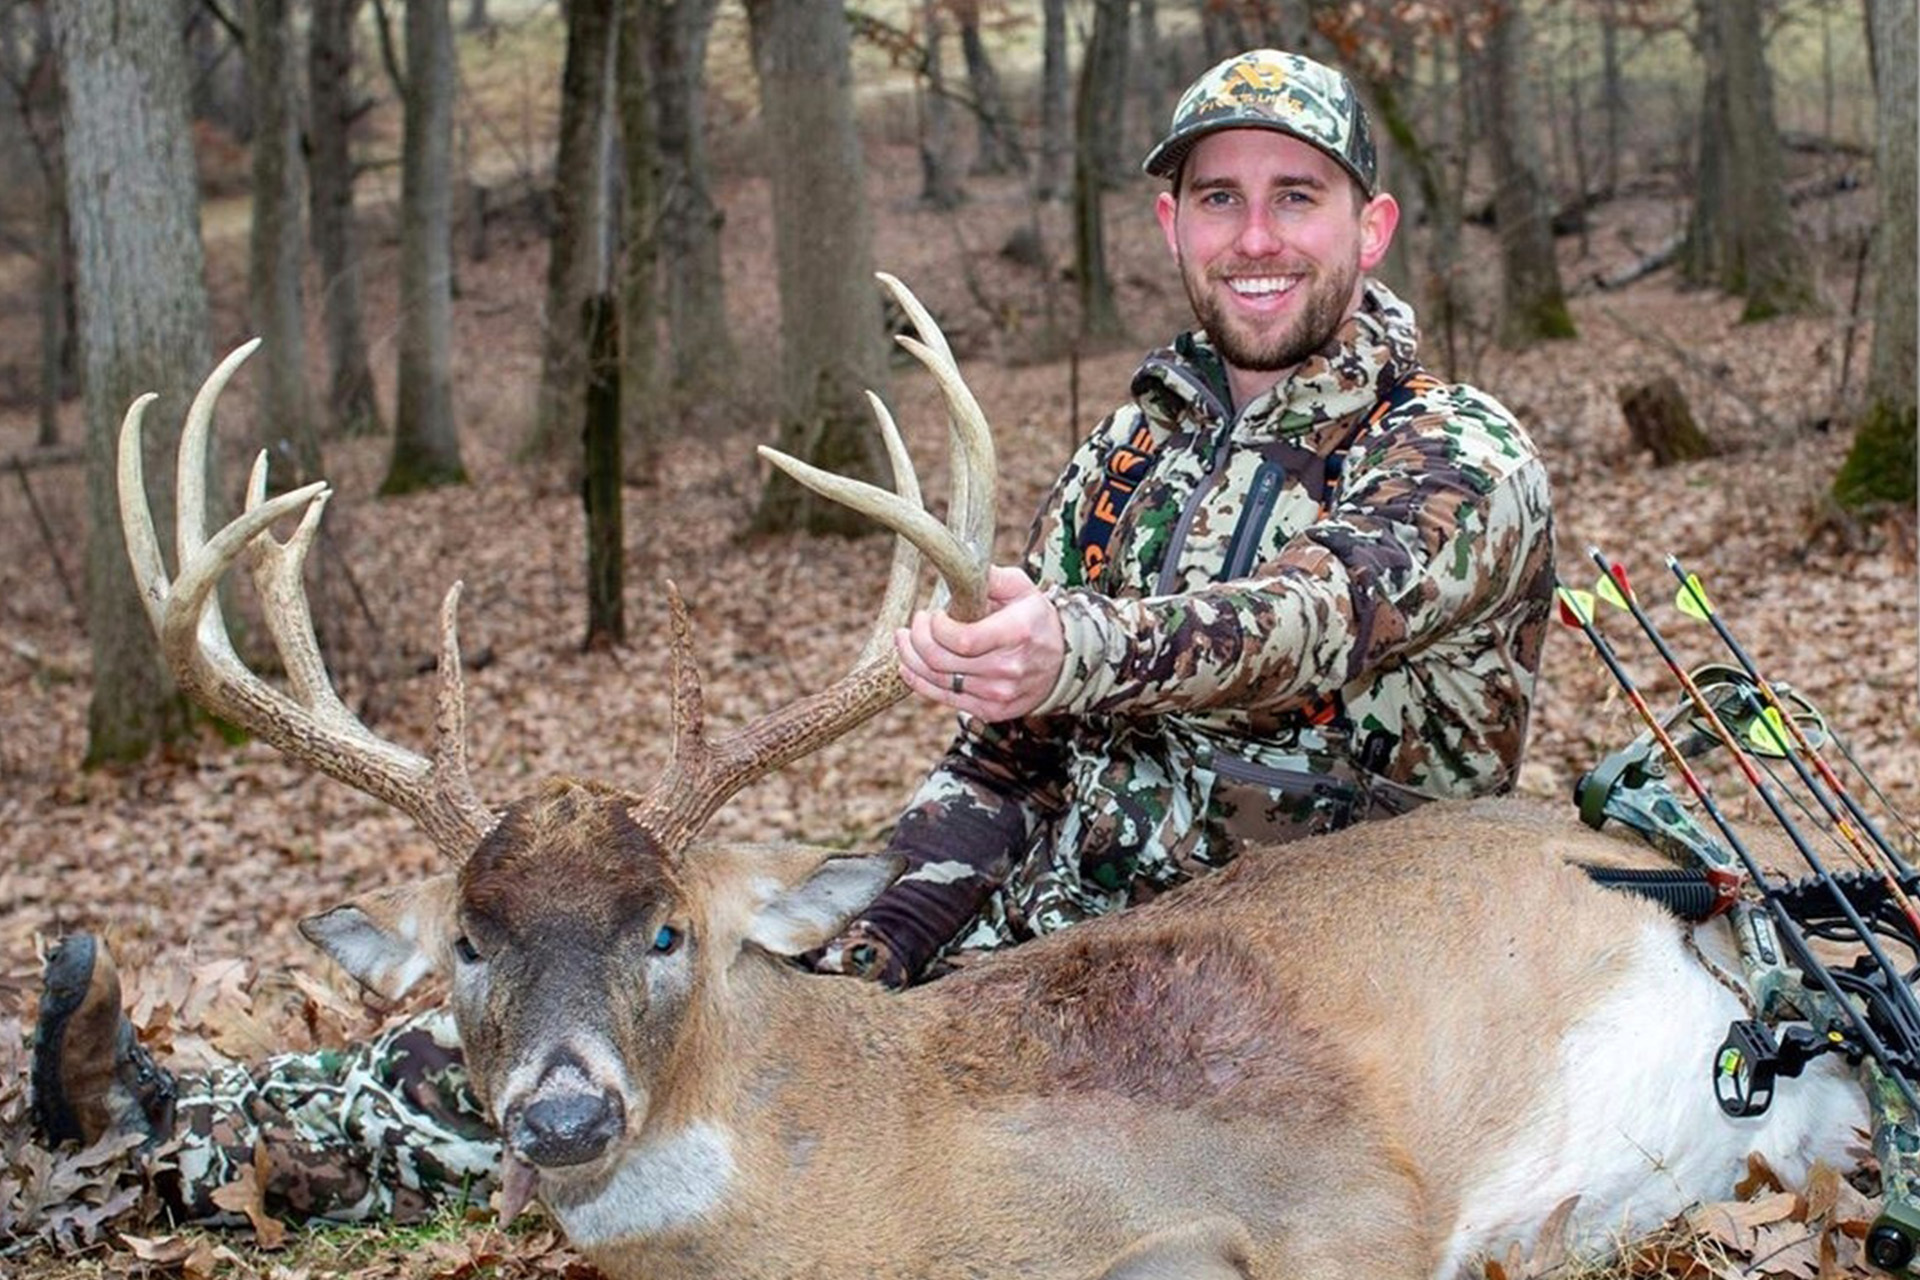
[(312, 725), (703, 774), (961, 549), (972, 467)]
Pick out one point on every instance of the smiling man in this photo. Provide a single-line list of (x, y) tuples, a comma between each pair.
[(1295, 582)]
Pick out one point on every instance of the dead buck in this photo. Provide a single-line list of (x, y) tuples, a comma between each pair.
[(1381, 1052)]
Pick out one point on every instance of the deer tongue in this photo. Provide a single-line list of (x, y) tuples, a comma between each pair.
[(517, 1181)]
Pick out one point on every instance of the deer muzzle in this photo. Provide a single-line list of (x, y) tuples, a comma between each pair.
[(568, 1119)]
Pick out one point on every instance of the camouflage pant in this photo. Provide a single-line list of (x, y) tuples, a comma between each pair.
[(385, 1130)]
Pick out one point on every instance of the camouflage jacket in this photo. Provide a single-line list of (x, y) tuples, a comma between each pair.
[(1245, 660)]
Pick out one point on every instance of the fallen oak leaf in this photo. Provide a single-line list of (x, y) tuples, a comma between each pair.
[(1735, 1223), (1786, 1249), (247, 1195)]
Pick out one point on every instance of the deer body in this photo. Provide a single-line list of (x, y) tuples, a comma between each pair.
[(1407, 1043)]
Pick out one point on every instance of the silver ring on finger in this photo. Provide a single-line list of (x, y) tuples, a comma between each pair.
[(957, 682)]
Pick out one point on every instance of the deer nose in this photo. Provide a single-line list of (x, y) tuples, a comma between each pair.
[(567, 1128)]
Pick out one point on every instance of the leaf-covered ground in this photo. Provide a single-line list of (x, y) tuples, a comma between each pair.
[(198, 864)]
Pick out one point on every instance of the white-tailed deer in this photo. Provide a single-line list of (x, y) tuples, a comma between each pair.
[(1381, 1052)]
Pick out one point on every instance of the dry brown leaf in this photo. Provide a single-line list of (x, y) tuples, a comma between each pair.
[(247, 1195), (1786, 1249), (1760, 1175), (165, 1251), (1735, 1223)]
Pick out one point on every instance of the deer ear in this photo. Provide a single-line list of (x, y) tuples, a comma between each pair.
[(391, 938), (810, 913)]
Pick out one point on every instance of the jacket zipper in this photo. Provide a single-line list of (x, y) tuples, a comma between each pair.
[(1245, 544)]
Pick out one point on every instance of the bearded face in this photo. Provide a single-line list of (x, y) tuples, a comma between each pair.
[(1271, 239)]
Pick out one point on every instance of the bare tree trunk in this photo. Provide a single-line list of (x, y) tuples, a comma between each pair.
[(830, 348), (1741, 236), (351, 403), (1150, 97), (133, 197), (218, 77), (1056, 104), (1613, 93), (602, 469), (277, 246), (997, 148), (1533, 303), (699, 341), (31, 75), (580, 211), (939, 182), (1407, 165), (55, 341), (1102, 134), (639, 264), (1880, 466), (477, 19), (426, 443), (1102, 81)]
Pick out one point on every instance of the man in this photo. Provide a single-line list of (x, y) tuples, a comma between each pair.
[(1296, 582)]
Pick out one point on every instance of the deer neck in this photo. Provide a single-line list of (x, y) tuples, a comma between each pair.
[(774, 1043)]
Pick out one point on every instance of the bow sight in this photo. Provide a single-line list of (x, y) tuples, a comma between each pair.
[(1865, 1009)]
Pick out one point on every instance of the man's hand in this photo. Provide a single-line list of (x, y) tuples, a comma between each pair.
[(1006, 663)]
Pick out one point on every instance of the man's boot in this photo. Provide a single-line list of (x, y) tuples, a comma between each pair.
[(91, 1077)]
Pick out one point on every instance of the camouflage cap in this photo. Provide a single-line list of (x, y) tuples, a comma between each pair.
[(1269, 89)]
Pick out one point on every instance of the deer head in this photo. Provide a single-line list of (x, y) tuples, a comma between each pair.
[(583, 930)]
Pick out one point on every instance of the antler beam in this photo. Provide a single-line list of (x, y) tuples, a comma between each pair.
[(309, 723)]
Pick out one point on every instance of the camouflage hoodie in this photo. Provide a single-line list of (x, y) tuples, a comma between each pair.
[(1243, 662)]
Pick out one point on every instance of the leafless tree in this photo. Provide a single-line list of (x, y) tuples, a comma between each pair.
[(997, 147), (277, 243), (1056, 104), (1102, 83), (939, 171), (133, 198), (1533, 304), (351, 403), (699, 342), (830, 348), (32, 83), (638, 274), (1880, 467), (1740, 236), (426, 442), (577, 258)]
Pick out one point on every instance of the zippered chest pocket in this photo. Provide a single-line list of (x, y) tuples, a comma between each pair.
[(1288, 487), (1244, 545)]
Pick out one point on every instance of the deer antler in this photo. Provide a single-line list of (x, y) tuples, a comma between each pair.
[(703, 772), (311, 725)]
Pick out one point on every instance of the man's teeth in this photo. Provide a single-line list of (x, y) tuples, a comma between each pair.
[(1253, 286)]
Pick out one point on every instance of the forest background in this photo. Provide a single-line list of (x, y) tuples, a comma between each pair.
[(1675, 236)]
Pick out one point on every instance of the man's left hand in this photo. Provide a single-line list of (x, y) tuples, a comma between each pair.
[(998, 668)]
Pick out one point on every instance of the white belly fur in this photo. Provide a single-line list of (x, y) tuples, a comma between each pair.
[(1637, 1134)]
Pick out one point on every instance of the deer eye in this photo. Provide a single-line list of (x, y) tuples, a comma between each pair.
[(464, 948), (666, 940)]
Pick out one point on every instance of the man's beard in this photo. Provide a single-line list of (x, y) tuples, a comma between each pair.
[(1325, 308)]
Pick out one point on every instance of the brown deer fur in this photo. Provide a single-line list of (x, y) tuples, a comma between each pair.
[(1322, 1061)]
